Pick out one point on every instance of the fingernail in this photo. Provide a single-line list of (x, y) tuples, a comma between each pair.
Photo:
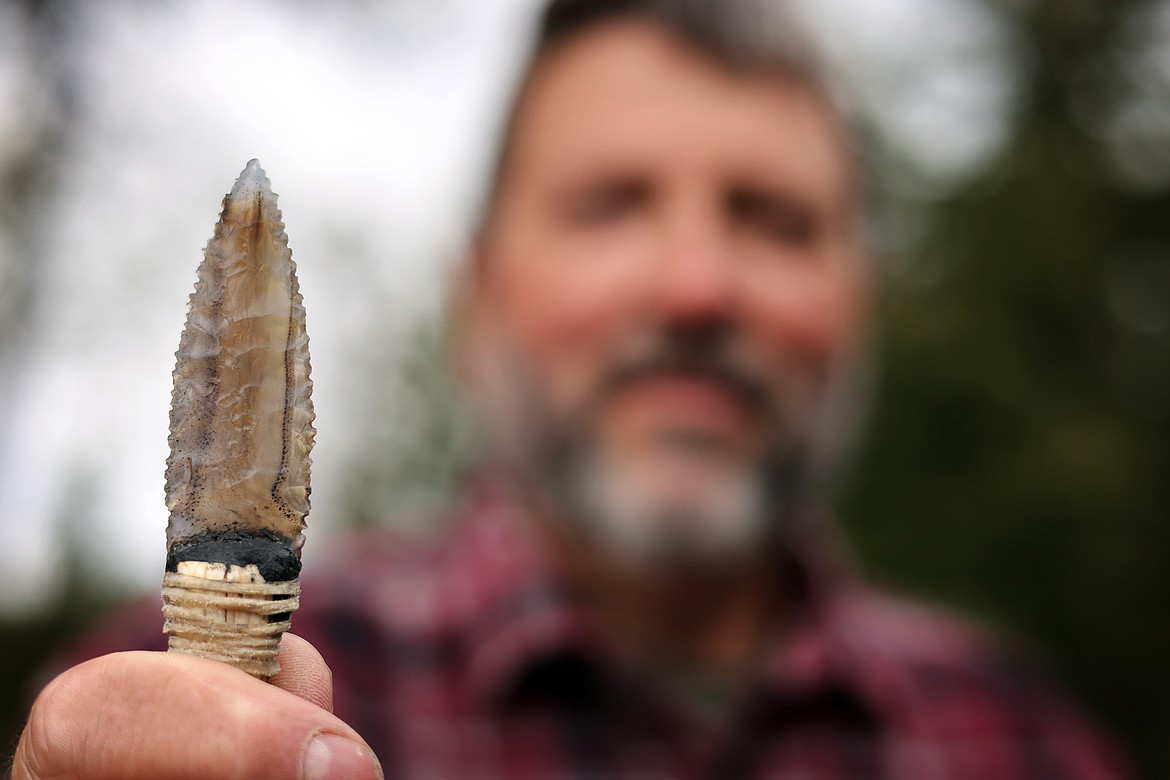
[(333, 757)]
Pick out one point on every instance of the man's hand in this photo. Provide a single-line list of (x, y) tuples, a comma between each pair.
[(163, 715)]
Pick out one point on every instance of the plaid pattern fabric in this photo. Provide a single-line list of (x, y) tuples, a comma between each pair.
[(467, 660)]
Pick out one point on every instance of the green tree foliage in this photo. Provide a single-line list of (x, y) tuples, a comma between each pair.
[(1017, 457), (417, 443)]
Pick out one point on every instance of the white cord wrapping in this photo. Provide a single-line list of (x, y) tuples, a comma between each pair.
[(228, 621)]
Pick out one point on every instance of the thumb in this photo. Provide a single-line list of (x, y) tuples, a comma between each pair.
[(303, 672), (157, 716)]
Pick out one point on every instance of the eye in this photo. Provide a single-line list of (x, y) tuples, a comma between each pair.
[(605, 201), (776, 216)]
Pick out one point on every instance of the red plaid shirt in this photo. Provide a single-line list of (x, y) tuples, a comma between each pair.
[(468, 660)]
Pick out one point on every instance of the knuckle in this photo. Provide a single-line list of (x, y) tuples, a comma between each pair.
[(58, 738), (45, 749)]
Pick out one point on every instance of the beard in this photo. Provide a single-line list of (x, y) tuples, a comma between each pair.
[(701, 526), (691, 504)]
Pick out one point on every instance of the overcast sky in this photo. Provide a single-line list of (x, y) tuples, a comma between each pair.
[(374, 123)]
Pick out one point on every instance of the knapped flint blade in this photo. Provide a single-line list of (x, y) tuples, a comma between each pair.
[(237, 479)]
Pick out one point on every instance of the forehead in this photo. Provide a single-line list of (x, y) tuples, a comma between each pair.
[(628, 92)]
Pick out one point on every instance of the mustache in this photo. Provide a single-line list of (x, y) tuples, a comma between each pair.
[(714, 356)]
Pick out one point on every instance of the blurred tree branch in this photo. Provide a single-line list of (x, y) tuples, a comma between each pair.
[(32, 144)]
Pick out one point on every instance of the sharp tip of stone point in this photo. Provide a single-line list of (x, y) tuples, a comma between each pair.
[(252, 177)]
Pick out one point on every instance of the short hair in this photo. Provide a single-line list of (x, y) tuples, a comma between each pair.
[(742, 34), (750, 36)]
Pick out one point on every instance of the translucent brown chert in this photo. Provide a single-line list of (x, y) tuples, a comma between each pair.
[(241, 414)]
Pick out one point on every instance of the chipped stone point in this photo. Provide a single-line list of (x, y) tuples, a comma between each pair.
[(242, 414)]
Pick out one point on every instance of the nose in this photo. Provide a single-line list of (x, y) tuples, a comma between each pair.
[(694, 284)]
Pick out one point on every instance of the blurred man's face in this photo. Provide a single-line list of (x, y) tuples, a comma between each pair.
[(668, 284)]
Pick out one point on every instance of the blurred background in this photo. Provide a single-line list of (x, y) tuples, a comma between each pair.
[(1016, 458)]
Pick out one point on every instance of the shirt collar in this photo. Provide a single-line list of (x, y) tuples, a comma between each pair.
[(508, 602), (515, 613)]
